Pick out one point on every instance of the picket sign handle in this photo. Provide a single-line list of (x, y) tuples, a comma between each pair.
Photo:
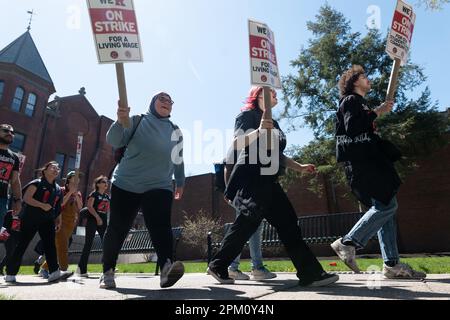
[(121, 83), (267, 113), (393, 80)]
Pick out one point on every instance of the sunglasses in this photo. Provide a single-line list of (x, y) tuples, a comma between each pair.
[(11, 132), (165, 100)]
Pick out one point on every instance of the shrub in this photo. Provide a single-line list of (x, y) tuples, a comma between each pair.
[(196, 228)]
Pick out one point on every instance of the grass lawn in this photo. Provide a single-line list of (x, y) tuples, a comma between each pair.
[(432, 265)]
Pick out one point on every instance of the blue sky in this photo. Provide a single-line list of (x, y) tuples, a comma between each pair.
[(197, 51)]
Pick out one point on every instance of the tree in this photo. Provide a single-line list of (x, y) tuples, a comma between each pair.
[(311, 95), (434, 4)]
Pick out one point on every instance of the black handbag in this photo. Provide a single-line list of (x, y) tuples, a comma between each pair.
[(389, 150)]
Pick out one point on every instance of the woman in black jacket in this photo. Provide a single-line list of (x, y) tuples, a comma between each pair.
[(369, 166), (41, 213), (254, 191)]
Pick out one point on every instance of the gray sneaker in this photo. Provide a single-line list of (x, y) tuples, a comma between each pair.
[(171, 273), (346, 254), (107, 280), (237, 275), (402, 271), (262, 274)]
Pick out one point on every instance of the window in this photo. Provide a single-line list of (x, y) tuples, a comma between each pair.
[(18, 98), (61, 159), (71, 164), (2, 86), (18, 143), (31, 104)]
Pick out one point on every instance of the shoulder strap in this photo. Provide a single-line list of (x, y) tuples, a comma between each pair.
[(135, 129)]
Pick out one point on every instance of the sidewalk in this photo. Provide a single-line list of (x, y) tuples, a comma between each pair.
[(204, 287)]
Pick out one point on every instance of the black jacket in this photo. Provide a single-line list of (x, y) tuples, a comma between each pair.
[(370, 173)]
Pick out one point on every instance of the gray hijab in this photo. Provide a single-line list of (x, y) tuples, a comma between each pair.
[(152, 108)]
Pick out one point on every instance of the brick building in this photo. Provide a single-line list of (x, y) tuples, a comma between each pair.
[(48, 131)]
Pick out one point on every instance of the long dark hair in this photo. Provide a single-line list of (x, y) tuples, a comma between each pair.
[(40, 171)]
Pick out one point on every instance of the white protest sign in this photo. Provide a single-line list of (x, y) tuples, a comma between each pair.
[(263, 58), (399, 38), (79, 149), (115, 30), (22, 159)]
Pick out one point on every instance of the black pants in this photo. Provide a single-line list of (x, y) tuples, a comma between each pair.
[(267, 200), (91, 228), (35, 221), (156, 206), (10, 245)]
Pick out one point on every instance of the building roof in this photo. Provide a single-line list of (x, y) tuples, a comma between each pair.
[(23, 53)]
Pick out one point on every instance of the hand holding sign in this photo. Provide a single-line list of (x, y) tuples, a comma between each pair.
[(123, 115)]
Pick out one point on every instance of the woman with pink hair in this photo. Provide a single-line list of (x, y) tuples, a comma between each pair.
[(253, 190)]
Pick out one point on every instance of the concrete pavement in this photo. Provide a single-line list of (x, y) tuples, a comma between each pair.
[(204, 287)]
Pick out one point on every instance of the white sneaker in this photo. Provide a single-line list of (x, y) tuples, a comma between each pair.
[(402, 271), (262, 274), (171, 273), (346, 254), (81, 275), (107, 280), (10, 279), (237, 275)]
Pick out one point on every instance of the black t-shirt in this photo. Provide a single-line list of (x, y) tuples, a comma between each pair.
[(46, 193), (9, 162), (101, 202), (249, 163)]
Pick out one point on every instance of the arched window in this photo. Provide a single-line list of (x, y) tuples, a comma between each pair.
[(31, 104), (18, 98), (2, 86)]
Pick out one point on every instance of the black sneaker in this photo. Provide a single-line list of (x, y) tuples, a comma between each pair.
[(324, 279), (36, 267), (222, 277)]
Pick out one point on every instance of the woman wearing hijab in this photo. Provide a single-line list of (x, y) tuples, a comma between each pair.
[(253, 190), (144, 180)]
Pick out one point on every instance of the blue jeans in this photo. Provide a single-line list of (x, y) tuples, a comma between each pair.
[(254, 245), (3, 210), (379, 219)]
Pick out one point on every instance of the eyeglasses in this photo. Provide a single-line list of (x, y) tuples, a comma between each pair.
[(8, 131), (165, 100)]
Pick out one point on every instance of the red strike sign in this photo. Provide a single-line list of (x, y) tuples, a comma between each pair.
[(263, 57), (400, 36), (262, 49), (106, 21), (403, 25), (115, 30)]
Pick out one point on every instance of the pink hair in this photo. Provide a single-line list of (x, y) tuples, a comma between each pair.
[(251, 101)]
